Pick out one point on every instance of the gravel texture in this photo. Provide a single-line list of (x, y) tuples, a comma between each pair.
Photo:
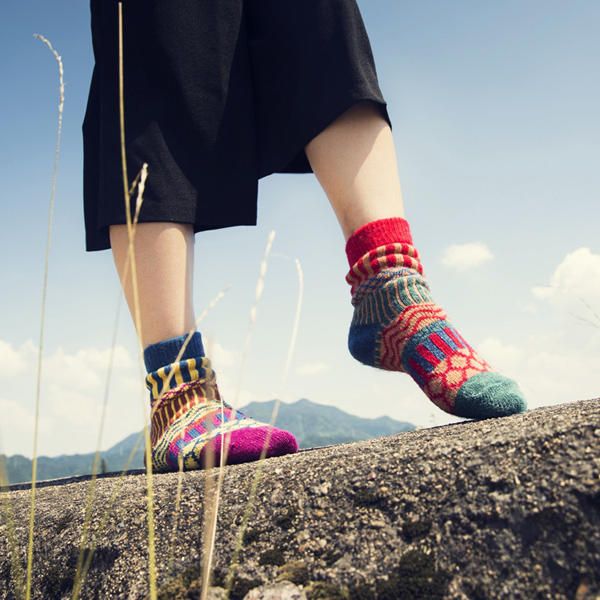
[(499, 508)]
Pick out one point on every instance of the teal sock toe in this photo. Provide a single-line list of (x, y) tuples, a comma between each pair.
[(489, 394)]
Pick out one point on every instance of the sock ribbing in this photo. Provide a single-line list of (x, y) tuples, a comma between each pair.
[(377, 233), (165, 352)]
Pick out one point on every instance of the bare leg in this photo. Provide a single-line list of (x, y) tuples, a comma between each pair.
[(164, 254), (164, 258), (354, 160)]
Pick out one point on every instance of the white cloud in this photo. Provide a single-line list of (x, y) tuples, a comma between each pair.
[(501, 353), (15, 361), (529, 308), (228, 388), (85, 369), (71, 397), (575, 284), (21, 423), (561, 364), (462, 257), (312, 368), (73, 407), (549, 369), (220, 357)]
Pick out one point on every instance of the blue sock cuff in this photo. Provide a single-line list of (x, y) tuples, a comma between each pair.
[(165, 352)]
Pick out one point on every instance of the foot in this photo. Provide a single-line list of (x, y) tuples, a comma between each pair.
[(190, 423), (397, 326)]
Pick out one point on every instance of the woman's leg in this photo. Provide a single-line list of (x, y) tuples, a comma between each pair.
[(164, 257), (396, 325), (354, 160), (187, 416)]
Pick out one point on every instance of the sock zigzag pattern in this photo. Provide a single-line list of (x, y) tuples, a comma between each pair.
[(394, 337)]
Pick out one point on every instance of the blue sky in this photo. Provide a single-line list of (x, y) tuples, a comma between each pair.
[(494, 108)]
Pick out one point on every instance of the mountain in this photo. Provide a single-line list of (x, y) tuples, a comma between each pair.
[(313, 425), (18, 467), (320, 425)]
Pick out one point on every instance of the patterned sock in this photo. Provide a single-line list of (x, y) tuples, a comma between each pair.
[(187, 420), (397, 326)]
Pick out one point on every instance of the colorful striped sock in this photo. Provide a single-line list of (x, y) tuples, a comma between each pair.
[(189, 420), (398, 327)]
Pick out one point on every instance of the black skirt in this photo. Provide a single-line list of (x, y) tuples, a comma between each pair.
[(217, 94)]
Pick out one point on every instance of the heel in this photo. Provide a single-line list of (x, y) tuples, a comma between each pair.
[(362, 343)]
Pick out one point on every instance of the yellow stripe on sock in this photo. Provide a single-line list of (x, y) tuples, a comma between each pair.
[(154, 386), (163, 376), (177, 374), (192, 367)]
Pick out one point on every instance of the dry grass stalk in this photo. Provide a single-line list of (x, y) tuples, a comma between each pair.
[(594, 321), (258, 473), (137, 316), (214, 491), (107, 514), (260, 284), (141, 177), (43, 312), (212, 488), (202, 316)]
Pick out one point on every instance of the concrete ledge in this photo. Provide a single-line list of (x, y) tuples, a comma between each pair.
[(497, 508)]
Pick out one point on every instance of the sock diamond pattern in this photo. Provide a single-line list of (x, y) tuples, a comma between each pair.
[(189, 420), (397, 326)]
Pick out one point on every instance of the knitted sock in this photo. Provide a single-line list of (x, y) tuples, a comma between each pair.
[(187, 420), (397, 326)]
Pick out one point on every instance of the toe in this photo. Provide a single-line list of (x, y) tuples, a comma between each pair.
[(489, 394), (246, 445)]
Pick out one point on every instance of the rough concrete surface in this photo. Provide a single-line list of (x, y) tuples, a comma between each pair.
[(499, 508)]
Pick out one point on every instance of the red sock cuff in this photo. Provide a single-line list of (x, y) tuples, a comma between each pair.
[(377, 233)]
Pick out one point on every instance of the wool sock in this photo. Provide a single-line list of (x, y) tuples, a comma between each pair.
[(397, 326), (187, 420)]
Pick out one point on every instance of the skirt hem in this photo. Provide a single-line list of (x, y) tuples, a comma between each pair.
[(298, 162)]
